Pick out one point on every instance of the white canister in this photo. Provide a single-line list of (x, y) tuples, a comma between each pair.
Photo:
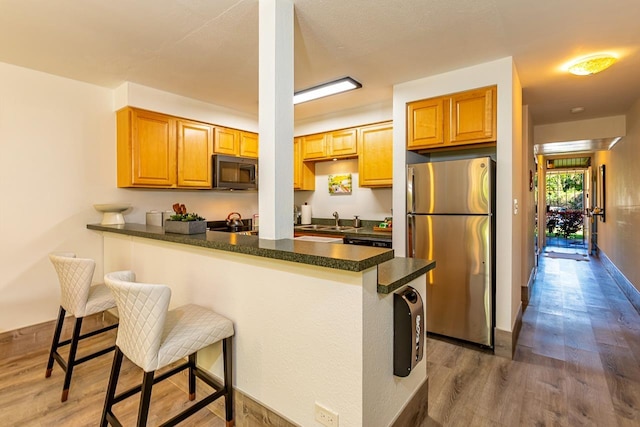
[(154, 218)]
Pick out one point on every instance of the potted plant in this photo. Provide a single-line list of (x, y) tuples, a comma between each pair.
[(183, 222)]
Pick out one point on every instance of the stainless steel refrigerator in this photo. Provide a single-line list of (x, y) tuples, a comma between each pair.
[(450, 219)]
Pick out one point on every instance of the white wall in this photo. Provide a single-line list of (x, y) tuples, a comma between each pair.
[(58, 145), (603, 127), (618, 237), (368, 203), (501, 72)]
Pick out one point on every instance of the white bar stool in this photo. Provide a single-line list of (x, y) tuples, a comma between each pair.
[(80, 299), (153, 337)]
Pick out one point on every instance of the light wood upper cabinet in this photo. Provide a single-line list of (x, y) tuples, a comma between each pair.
[(195, 146), (342, 143), (325, 146), (314, 146), (458, 119), (425, 123), (473, 116), (375, 155), (146, 145), (157, 150), (226, 141), (233, 142), (303, 172), (248, 144)]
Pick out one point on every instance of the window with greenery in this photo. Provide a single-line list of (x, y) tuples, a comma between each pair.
[(565, 203)]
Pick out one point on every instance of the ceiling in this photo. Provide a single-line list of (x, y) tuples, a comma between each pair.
[(208, 50)]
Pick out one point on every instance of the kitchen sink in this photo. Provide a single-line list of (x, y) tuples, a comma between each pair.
[(313, 227), (321, 227), (339, 228)]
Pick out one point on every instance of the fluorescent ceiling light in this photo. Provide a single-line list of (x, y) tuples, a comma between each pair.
[(331, 88)]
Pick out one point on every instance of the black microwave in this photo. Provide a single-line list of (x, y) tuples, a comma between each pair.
[(234, 173)]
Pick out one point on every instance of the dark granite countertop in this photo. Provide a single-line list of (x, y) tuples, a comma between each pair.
[(337, 256), (392, 272), (397, 272)]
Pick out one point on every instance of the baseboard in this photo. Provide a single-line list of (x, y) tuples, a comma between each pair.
[(505, 341), (38, 337), (525, 291), (416, 410), (627, 288)]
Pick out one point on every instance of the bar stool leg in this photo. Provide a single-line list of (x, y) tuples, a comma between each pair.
[(72, 358), (192, 376), (56, 340), (111, 387), (228, 380), (145, 398)]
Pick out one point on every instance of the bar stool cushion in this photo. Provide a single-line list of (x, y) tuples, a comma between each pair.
[(77, 295), (79, 298), (153, 337)]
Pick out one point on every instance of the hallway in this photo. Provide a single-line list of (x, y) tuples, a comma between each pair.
[(577, 361)]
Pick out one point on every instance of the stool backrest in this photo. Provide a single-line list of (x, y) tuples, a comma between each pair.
[(142, 308), (74, 276)]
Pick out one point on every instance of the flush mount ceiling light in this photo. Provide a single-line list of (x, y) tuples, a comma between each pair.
[(592, 64), (337, 86)]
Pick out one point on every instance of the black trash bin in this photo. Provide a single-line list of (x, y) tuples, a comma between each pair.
[(408, 331)]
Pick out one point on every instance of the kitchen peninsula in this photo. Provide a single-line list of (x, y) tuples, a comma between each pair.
[(314, 321)]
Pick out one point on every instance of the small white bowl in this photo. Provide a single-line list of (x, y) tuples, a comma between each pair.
[(112, 212)]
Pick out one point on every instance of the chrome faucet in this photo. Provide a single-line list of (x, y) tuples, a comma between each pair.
[(337, 217)]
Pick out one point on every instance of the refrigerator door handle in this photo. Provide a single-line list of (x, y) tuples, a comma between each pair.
[(411, 236), (411, 182)]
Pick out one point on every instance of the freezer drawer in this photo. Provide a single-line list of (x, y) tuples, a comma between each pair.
[(460, 290)]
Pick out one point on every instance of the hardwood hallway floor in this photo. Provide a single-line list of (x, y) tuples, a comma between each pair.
[(577, 361)]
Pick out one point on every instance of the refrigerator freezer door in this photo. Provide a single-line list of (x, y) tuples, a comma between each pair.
[(459, 290), (460, 186)]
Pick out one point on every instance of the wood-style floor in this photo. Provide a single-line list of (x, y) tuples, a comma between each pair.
[(577, 363)]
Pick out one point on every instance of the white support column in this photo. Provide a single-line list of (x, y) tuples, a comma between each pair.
[(276, 119)]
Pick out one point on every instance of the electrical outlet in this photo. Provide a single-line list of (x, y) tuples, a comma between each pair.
[(325, 416)]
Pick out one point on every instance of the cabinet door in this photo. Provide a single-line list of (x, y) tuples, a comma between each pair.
[(304, 177), (343, 143), (226, 141), (195, 146), (249, 144), (473, 116), (152, 145), (425, 123), (314, 146), (375, 155), (297, 163)]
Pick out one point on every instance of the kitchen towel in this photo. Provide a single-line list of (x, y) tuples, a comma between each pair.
[(306, 214)]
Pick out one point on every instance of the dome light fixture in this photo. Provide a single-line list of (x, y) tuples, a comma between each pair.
[(592, 64)]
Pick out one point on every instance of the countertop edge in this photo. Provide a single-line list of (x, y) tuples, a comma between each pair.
[(284, 249), (397, 272)]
